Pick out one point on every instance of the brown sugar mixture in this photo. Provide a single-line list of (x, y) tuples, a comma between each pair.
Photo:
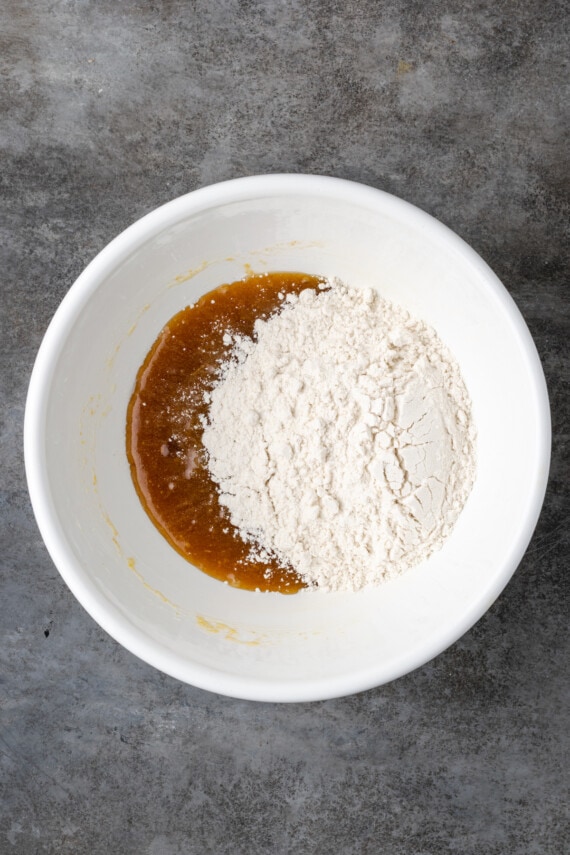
[(165, 425)]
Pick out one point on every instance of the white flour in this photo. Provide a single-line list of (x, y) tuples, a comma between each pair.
[(341, 438)]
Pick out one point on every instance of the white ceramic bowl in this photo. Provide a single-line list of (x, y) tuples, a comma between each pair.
[(268, 646)]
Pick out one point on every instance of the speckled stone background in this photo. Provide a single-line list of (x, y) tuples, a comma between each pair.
[(112, 108)]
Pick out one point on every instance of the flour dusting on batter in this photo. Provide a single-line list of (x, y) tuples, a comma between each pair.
[(341, 438)]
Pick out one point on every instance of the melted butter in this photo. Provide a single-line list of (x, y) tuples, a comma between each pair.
[(230, 633), (164, 429)]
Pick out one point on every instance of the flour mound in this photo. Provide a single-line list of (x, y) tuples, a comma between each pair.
[(341, 439)]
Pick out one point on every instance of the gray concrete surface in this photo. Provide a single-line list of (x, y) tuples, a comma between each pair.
[(108, 110)]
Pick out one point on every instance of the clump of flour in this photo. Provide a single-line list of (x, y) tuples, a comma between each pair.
[(340, 437)]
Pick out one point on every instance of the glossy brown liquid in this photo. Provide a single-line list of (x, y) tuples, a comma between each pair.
[(164, 430)]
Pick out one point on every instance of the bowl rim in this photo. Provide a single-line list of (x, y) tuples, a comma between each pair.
[(92, 598)]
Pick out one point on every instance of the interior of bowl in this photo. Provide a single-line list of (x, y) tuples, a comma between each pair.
[(269, 646)]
